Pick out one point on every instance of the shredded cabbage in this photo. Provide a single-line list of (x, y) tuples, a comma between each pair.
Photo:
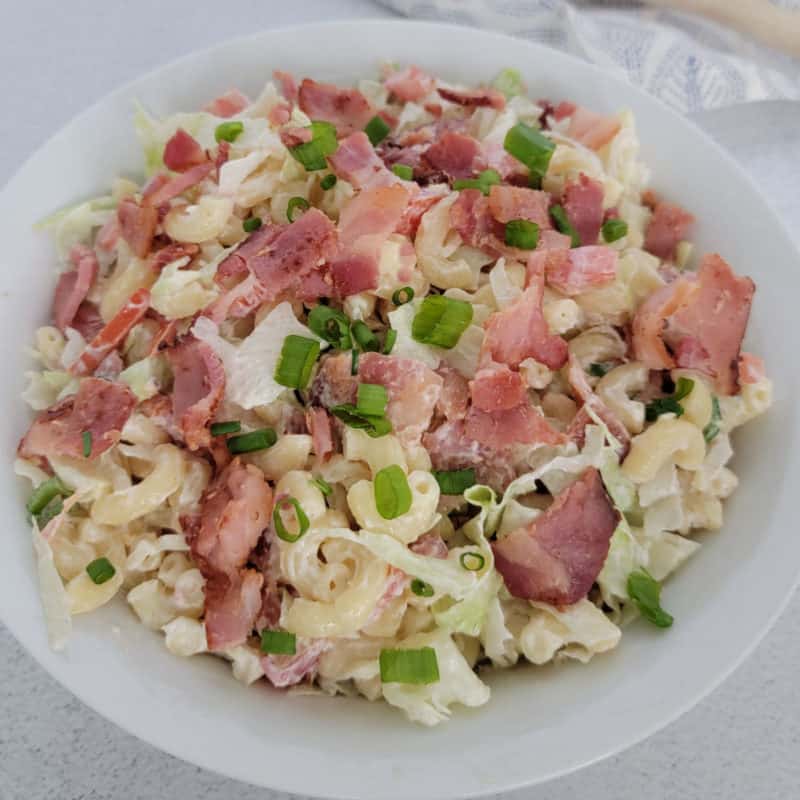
[(180, 293), (55, 602), (147, 377)]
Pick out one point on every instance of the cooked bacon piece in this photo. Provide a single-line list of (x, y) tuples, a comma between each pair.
[(420, 202), (668, 226), (410, 84), (295, 135), (473, 98), (347, 109), (454, 397), (108, 235), (173, 187), (751, 368), (497, 388), (197, 390), (100, 407), (517, 202), (283, 671), (365, 222), (172, 252), (455, 154), (110, 367), (319, 425), (333, 384), (413, 391), (520, 331), (553, 240), (87, 321), (558, 556), (689, 353), (235, 510), (287, 83), (430, 544), (73, 286), (182, 151), (228, 104), (232, 606), (575, 270), (112, 334), (522, 424), (357, 162), (587, 127), (279, 114), (137, 224), (583, 203), (716, 318)]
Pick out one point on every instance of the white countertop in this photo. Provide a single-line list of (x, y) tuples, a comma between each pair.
[(741, 743)]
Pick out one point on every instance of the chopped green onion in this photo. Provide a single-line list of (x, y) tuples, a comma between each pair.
[(44, 493), (455, 481), (294, 204), (298, 356), (509, 82), (372, 399), (409, 666), (597, 369), (331, 325), (52, 509), (312, 155), (614, 229), (86, 443), (250, 442), (372, 426), (363, 336), (228, 131), (711, 430), (354, 361), (392, 492), (403, 171), (377, 130), (670, 404), (251, 224), (403, 296), (441, 320), (280, 643), (421, 589), (300, 517), (328, 182), (645, 591), (483, 183), (472, 561), (221, 428), (100, 571), (564, 225), (530, 147), (322, 485), (522, 233), (389, 340)]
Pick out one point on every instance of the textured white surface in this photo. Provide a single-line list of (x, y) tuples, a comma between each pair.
[(742, 742)]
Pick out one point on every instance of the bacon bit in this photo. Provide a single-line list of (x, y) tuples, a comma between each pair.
[(232, 605), (73, 286), (583, 203), (108, 235), (295, 135), (223, 154), (172, 252), (100, 407), (137, 225), (333, 384), (454, 154), (357, 162), (87, 321), (474, 98), (557, 557), (668, 226), (182, 151), (279, 114), (590, 129), (553, 240), (650, 199), (576, 270), (563, 110), (396, 583), (420, 202), (228, 104), (430, 544), (523, 424), (287, 83), (283, 671), (110, 367), (751, 368), (178, 185), (497, 388), (347, 109), (319, 425), (454, 398), (514, 202), (112, 334), (165, 335), (410, 84), (434, 109)]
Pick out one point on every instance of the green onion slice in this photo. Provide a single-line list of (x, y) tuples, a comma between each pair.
[(328, 182), (598, 369), (392, 492), (228, 131), (100, 571), (331, 325), (711, 430), (483, 183), (281, 643), (645, 591), (670, 404), (298, 356), (563, 225), (52, 509), (250, 442), (86, 443), (312, 155), (221, 428), (522, 233), (302, 523), (421, 589), (409, 666), (441, 320), (403, 296), (403, 171), (509, 82), (363, 336), (372, 399), (377, 130), (295, 204), (372, 426), (251, 224), (614, 229), (322, 485), (354, 361), (472, 561), (389, 341), (44, 493), (530, 147), (455, 481)]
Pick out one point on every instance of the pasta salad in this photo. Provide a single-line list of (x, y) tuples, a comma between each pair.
[(367, 390)]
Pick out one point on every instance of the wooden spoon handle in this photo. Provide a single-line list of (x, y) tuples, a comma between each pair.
[(774, 26)]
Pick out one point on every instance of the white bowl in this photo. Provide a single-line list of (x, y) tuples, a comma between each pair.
[(540, 723)]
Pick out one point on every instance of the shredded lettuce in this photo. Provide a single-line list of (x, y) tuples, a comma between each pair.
[(74, 224), (180, 293)]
